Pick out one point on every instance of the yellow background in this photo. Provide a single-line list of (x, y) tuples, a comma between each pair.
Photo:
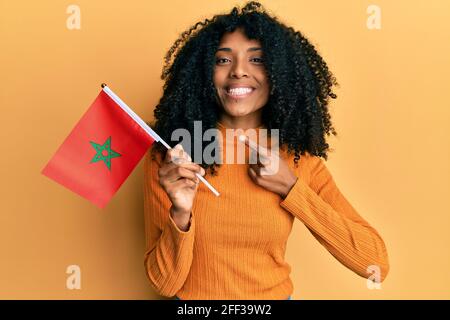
[(391, 161)]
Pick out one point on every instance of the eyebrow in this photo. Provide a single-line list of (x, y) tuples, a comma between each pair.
[(249, 49)]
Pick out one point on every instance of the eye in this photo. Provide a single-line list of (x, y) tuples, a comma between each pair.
[(221, 60), (257, 60)]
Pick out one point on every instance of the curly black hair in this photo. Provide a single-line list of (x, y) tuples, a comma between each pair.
[(300, 82)]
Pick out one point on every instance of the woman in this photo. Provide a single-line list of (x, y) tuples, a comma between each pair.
[(246, 70)]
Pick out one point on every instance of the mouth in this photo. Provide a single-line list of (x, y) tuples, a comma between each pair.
[(239, 92)]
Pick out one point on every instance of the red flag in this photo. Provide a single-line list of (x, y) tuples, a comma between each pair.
[(100, 153)]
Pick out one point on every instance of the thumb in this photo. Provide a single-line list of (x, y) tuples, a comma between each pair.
[(182, 152)]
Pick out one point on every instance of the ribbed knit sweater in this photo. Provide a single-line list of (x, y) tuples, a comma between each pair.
[(235, 245)]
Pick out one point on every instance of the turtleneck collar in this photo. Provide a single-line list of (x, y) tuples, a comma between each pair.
[(222, 126)]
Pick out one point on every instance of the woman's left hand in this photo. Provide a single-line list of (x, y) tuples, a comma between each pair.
[(271, 172)]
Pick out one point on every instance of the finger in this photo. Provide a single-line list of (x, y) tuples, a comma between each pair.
[(253, 145), (179, 173), (256, 168), (183, 153), (171, 154), (263, 153), (188, 165), (184, 183), (257, 178), (253, 175), (257, 159), (177, 155)]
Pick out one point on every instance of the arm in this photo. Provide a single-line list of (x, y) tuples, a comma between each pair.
[(169, 249), (335, 223)]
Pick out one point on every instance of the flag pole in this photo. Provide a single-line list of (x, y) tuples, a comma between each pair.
[(147, 129)]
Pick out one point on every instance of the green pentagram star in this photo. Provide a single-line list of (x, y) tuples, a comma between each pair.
[(100, 156)]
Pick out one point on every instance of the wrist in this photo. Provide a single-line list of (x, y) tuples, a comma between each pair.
[(289, 186), (181, 218), (175, 212)]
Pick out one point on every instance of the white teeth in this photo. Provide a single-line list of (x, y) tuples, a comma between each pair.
[(239, 91)]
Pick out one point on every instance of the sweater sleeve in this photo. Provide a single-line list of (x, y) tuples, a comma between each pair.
[(335, 223), (169, 250)]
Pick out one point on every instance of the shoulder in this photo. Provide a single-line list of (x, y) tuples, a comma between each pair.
[(305, 160), (308, 166)]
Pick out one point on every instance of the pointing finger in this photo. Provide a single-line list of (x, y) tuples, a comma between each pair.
[(261, 151)]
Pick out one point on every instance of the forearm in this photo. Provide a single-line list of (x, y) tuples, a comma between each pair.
[(352, 241), (169, 262)]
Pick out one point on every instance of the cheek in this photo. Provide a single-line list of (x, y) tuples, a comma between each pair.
[(217, 90), (265, 89), (214, 78), (218, 78), (264, 82)]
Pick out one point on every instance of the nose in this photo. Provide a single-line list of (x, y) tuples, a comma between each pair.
[(238, 69)]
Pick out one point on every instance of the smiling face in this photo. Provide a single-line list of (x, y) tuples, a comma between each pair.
[(240, 80)]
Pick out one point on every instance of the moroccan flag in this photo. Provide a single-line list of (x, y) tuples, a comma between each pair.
[(102, 150)]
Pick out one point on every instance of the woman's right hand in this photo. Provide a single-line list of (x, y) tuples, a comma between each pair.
[(178, 179)]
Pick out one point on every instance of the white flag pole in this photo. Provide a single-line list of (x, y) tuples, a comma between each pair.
[(147, 129)]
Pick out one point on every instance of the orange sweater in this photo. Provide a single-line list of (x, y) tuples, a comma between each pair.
[(235, 246)]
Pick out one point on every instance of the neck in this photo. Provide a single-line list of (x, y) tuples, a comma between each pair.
[(245, 122)]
